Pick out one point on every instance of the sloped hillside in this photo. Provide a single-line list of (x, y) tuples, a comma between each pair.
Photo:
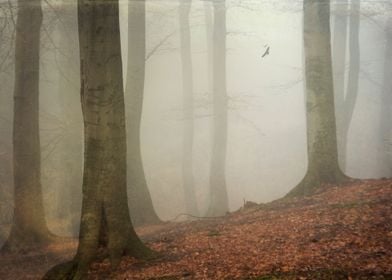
[(343, 232)]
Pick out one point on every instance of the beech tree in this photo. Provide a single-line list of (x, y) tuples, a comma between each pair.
[(218, 193), (346, 43), (69, 150), (7, 29), (141, 206), (105, 217), (188, 110), (348, 99), (29, 226), (323, 164), (339, 55), (386, 106)]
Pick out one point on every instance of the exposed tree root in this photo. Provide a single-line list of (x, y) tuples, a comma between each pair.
[(77, 269), (64, 271)]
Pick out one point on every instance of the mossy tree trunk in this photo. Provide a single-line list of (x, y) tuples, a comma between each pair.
[(219, 204), (29, 227), (105, 213), (141, 206), (323, 164), (188, 111)]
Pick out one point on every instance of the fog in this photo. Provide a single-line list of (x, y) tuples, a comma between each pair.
[(267, 144)]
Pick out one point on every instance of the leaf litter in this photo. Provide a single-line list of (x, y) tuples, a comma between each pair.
[(341, 232)]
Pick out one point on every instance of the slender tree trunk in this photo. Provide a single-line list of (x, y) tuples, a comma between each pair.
[(141, 206), (218, 193), (209, 41), (353, 78), (29, 227), (386, 105), (105, 210), (187, 91), (323, 164), (339, 69)]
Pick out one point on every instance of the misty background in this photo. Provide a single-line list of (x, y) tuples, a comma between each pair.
[(267, 154)]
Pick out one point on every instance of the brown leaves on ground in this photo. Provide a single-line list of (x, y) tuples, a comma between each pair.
[(32, 265), (344, 232)]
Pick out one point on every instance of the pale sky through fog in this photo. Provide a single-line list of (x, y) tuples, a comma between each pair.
[(267, 137)]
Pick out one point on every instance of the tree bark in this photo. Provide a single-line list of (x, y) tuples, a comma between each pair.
[(29, 227), (218, 193), (339, 70), (323, 164), (105, 211), (70, 155), (208, 15), (353, 79), (141, 206), (386, 103), (188, 111)]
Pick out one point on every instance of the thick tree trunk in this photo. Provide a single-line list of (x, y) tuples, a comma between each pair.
[(323, 164), (339, 69), (218, 193), (105, 209), (71, 144), (386, 104), (187, 91), (141, 206), (29, 227), (353, 79)]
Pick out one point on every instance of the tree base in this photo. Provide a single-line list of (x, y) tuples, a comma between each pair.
[(17, 243), (144, 220), (216, 212), (65, 271), (310, 184), (77, 269)]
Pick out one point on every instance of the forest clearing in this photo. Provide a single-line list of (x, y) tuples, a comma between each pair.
[(342, 232)]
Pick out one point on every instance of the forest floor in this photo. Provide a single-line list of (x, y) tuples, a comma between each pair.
[(342, 232)]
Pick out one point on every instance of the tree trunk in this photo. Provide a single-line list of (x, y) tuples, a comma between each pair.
[(353, 79), (105, 209), (218, 193), (29, 227), (339, 69), (141, 206), (209, 37), (386, 103), (71, 144), (187, 91), (323, 164)]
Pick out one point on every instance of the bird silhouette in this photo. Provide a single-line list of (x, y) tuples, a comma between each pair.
[(267, 51)]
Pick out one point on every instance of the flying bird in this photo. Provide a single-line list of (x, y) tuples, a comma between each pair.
[(267, 51)]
